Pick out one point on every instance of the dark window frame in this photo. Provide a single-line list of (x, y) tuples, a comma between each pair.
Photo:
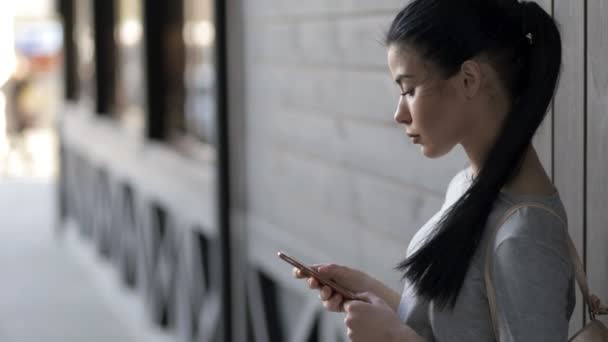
[(70, 51), (104, 19)]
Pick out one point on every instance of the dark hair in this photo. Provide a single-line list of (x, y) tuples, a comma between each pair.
[(522, 43)]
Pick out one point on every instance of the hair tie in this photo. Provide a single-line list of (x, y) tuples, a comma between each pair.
[(530, 38), (524, 22)]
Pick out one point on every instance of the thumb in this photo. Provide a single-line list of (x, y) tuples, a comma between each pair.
[(331, 270), (367, 297)]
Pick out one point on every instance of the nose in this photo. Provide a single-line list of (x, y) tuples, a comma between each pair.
[(402, 114)]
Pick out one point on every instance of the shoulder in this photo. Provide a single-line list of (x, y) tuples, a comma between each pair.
[(530, 231), (531, 221)]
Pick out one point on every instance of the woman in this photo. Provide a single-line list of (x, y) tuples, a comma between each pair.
[(479, 73)]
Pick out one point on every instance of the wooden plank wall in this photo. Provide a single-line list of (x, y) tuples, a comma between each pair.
[(569, 129), (573, 140), (597, 147), (543, 141), (581, 137)]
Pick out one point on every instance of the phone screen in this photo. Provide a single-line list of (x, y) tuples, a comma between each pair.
[(347, 294)]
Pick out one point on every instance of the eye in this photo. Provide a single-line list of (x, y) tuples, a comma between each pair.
[(408, 92)]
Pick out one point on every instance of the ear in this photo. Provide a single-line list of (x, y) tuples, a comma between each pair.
[(471, 78)]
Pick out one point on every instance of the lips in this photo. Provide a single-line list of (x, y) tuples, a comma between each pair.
[(415, 139)]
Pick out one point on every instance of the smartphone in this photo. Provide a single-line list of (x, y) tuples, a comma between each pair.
[(346, 293)]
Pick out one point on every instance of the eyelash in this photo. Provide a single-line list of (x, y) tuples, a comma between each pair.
[(407, 92)]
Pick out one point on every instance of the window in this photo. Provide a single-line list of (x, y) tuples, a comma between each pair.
[(200, 72), (130, 105), (85, 46), (182, 73)]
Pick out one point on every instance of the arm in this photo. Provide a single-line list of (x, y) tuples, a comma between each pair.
[(532, 280), (407, 334), (391, 297), (403, 332)]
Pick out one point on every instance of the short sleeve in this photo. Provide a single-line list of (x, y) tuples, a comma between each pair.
[(532, 274)]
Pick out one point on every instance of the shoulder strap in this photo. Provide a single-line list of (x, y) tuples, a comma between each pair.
[(581, 277)]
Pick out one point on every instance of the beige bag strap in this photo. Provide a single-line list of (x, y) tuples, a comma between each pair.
[(581, 277)]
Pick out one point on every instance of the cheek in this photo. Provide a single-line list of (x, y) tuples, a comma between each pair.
[(440, 124), (450, 125), (449, 133), (440, 139), (427, 116), (443, 117)]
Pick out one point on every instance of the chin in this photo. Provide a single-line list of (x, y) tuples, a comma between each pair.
[(433, 153)]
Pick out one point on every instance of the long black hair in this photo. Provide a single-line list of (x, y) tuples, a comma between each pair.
[(522, 43)]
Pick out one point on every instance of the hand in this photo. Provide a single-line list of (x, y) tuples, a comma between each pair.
[(369, 319), (352, 279), (597, 307)]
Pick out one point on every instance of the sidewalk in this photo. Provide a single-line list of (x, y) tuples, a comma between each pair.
[(56, 288)]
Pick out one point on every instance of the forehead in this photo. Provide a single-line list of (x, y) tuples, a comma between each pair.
[(405, 61)]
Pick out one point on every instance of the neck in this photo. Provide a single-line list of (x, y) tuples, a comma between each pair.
[(531, 178)]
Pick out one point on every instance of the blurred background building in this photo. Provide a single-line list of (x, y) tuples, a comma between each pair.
[(156, 154)]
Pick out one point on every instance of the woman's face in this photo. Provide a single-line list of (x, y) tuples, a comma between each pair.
[(431, 107)]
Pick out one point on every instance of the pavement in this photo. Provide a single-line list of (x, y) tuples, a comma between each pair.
[(55, 287)]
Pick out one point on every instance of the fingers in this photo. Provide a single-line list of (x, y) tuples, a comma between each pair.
[(327, 268), (597, 307), (325, 293), (334, 303), (331, 301), (317, 266), (367, 297), (297, 273), (595, 303), (313, 283), (321, 268)]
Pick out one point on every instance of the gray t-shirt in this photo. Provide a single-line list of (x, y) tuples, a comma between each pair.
[(532, 273)]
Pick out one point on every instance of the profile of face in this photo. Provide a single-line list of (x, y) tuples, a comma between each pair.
[(429, 106)]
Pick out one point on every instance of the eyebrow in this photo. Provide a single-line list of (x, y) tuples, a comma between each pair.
[(401, 77)]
